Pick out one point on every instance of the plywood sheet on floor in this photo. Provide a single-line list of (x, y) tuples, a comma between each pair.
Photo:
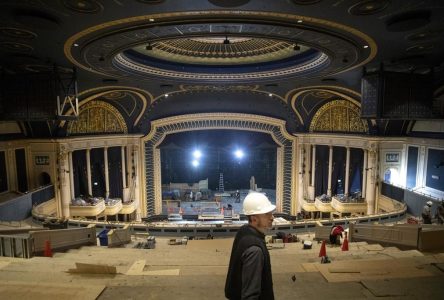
[(222, 245), (370, 269), (93, 269), (45, 291), (422, 288), (3, 264)]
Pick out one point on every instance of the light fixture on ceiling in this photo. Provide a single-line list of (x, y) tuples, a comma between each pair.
[(345, 59), (101, 58), (226, 41), (296, 47), (149, 47)]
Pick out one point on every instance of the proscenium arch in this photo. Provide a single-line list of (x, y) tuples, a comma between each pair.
[(286, 152)]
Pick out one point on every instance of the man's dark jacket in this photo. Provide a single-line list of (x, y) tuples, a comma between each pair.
[(246, 237)]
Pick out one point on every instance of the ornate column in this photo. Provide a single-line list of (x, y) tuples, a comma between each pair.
[(301, 171), (330, 169), (347, 171), (71, 174), (421, 174), (122, 154), (370, 195), (88, 171), (135, 176), (311, 193), (364, 174), (105, 155), (11, 169), (64, 184)]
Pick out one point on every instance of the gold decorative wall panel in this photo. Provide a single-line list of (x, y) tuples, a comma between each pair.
[(338, 116), (98, 117)]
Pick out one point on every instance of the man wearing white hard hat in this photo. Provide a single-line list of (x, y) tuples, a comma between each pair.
[(249, 272), (427, 213)]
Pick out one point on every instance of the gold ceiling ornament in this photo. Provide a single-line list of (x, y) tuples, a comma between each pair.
[(213, 50), (234, 16), (338, 116), (98, 117)]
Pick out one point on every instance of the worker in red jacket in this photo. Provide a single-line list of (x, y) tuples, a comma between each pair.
[(334, 233)]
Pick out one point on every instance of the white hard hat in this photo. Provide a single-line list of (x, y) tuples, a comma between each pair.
[(257, 203), (429, 203)]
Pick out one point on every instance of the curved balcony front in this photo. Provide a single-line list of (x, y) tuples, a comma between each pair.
[(349, 206), (87, 210), (128, 208), (323, 205), (309, 205), (113, 207)]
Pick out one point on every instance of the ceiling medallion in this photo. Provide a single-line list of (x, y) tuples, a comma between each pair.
[(83, 6), (408, 21), (228, 3), (214, 51), (420, 48), (12, 46), (151, 1), (218, 52), (38, 68), (424, 35), (368, 7), (17, 33), (36, 19), (305, 2), (115, 95)]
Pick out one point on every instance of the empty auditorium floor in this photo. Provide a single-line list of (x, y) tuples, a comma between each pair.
[(197, 271)]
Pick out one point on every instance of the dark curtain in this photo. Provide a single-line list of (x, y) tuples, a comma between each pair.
[(80, 176), (338, 171), (3, 174), (321, 171), (356, 168), (20, 165), (115, 172), (435, 169), (412, 165), (98, 172)]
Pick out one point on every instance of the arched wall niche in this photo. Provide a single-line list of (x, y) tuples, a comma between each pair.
[(286, 152)]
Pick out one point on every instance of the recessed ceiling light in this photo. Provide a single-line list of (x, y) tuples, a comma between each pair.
[(75, 45), (299, 21), (270, 95), (151, 19), (166, 95), (365, 46)]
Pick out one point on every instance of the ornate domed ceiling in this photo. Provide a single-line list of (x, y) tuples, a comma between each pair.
[(227, 55), (246, 46)]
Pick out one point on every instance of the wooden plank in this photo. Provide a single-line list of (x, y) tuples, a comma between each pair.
[(93, 269), (370, 269), (53, 290), (212, 245), (4, 264), (310, 267), (137, 267)]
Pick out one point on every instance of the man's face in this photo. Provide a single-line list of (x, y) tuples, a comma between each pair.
[(263, 222)]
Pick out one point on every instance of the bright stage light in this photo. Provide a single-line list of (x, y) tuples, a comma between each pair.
[(195, 163), (239, 153), (197, 154)]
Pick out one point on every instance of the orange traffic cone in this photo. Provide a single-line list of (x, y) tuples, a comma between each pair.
[(48, 251), (345, 243), (323, 251)]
